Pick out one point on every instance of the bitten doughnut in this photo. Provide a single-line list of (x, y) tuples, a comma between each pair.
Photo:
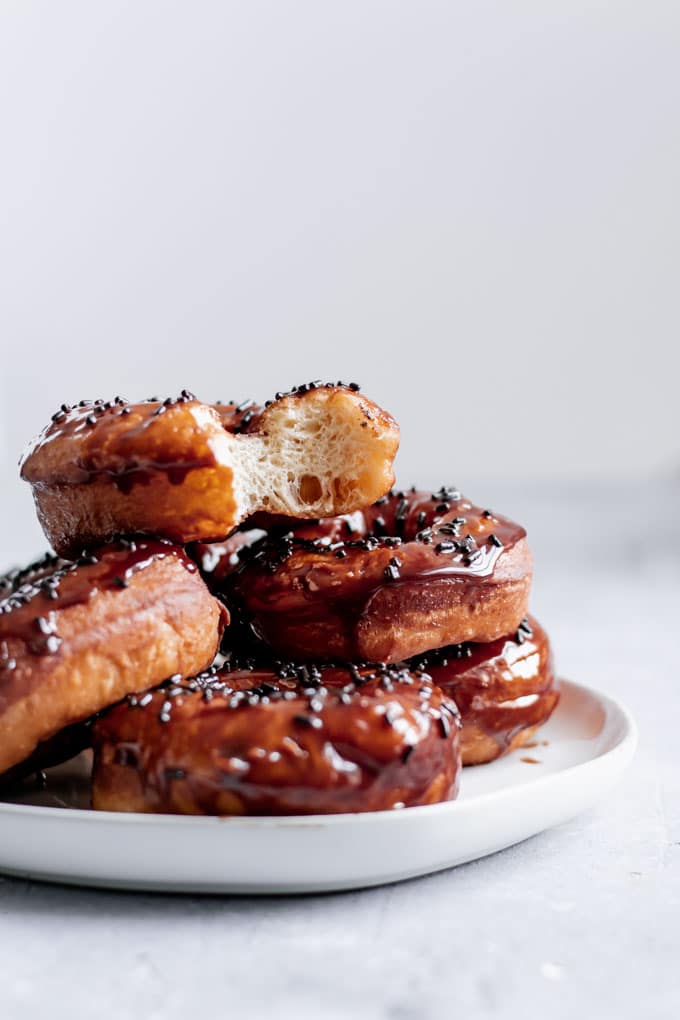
[(414, 571), (77, 637), (505, 690), (306, 741), (188, 471)]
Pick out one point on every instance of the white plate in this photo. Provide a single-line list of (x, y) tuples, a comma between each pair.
[(583, 750)]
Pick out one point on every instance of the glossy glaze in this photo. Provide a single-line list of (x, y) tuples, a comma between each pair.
[(217, 560), (263, 742), (406, 546), (32, 599), (502, 688), (131, 443)]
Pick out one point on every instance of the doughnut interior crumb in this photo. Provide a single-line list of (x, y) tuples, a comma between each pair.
[(311, 456)]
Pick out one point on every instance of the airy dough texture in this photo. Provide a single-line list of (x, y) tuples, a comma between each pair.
[(328, 448)]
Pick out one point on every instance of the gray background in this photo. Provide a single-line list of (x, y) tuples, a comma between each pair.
[(472, 210)]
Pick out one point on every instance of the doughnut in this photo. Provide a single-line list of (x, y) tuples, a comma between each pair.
[(77, 637), (191, 472), (504, 690), (414, 571), (307, 740), (217, 560)]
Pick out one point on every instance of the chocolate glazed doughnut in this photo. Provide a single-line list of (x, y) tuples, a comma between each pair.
[(191, 472), (505, 689), (77, 637), (414, 571), (262, 742)]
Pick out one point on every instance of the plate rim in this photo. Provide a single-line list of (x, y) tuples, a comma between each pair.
[(624, 747)]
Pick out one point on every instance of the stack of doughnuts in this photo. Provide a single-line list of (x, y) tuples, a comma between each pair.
[(241, 616)]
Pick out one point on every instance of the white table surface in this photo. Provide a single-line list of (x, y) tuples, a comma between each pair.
[(580, 922)]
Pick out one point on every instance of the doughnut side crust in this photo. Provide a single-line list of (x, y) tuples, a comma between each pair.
[(64, 659), (188, 471), (286, 750)]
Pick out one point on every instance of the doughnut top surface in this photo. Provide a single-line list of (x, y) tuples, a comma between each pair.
[(244, 683), (31, 598), (406, 535), (129, 441), (287, 740)]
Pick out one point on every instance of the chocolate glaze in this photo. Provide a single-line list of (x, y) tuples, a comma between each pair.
[(32, 599), (334, 567), (320, 740), (501, 688), (129, 442), (116, 439), (217, 560)]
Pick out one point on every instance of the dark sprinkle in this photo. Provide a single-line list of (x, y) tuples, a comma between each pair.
[(297, 391), (407, 752), (524, 631), (306, 720), (466, 544), (495, 540), (392, 572), (447, 494)]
